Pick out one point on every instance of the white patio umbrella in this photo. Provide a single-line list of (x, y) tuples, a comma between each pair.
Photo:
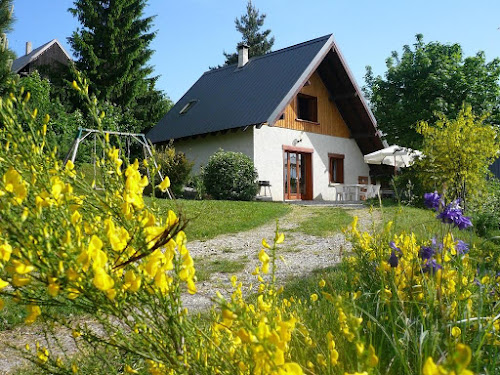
[(394, 155)]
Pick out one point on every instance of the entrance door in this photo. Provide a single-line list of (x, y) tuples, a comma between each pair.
[(297, 175)]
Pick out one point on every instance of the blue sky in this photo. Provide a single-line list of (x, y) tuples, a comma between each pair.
[(191, 34)]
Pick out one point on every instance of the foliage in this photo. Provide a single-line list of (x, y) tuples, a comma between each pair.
[(230, 175), (408, 186), (6, 55), (486, 210), (39, 89), (196, 182), (249, 26), (112, 49), (175, 165), (462, 172), (97, 252), (428, 80)]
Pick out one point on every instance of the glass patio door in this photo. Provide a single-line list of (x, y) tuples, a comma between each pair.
[(295, 175)]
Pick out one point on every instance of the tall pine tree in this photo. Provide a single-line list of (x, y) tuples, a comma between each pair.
[(112, 49), (249, 26), (6, 55)]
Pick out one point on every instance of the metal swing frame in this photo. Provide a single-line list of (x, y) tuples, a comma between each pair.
[(83, 133)]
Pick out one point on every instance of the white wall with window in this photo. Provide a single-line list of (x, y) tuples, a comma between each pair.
[(268, 157)]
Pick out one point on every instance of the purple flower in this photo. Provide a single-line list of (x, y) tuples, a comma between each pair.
[(432, 266), (461, 247), (393, 260), (432, 200), (393, 246), (452, 214), (426, 252), (435, 245), (463, 222)]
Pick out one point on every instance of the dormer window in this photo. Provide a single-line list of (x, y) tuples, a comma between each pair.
[(187, 107), (307, 108)]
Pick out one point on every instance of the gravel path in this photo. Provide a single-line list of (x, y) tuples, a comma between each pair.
[(302, 253)]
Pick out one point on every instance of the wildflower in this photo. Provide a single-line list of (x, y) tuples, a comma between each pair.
[(264, 258), (33, 313), (13, 183), (432, 200), (393, 246), (130, 370), (461, 247), (455, 331), (314, 297), (452, 214), (432, 266), (165, 184), (5, 251), (426, 252), (393, 260)]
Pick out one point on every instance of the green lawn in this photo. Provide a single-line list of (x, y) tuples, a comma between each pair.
[(324, 221), (210, 218)]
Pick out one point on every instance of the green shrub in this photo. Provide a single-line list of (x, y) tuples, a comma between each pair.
[(409, 188), (175, 165), (230, 175), (485, 210)]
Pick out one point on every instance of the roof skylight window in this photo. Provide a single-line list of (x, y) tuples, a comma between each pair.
[(187, 107)]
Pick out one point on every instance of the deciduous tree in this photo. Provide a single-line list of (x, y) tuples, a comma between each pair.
[(457, 154), (427, 80)]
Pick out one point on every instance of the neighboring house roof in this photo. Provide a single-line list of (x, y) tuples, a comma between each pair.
[(258, 93), (21, 62)]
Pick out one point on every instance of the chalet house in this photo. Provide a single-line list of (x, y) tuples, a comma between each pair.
[(297, 112), (49, 54)]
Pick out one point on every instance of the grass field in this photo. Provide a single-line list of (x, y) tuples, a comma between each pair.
[(324, 221), (208, 219)]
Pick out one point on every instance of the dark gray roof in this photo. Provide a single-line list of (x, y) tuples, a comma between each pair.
[(21, 62), (229, 97), (258, 93)]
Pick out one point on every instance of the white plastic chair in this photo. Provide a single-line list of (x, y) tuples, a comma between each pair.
[(341, 193), (376, 191)]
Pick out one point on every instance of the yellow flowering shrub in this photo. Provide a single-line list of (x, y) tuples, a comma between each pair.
[(63, 243)]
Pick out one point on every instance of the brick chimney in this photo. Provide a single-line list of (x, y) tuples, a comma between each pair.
[(28, 48), (242, 54)]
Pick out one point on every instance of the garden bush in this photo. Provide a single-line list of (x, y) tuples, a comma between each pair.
[(457, 154), (485, 210), (408, 186), (175, 165), (230, 175)]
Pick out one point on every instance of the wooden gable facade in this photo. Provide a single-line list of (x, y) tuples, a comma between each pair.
[(328, 120)]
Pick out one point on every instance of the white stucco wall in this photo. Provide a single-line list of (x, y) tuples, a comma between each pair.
[(268, 151), (200, 149)]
